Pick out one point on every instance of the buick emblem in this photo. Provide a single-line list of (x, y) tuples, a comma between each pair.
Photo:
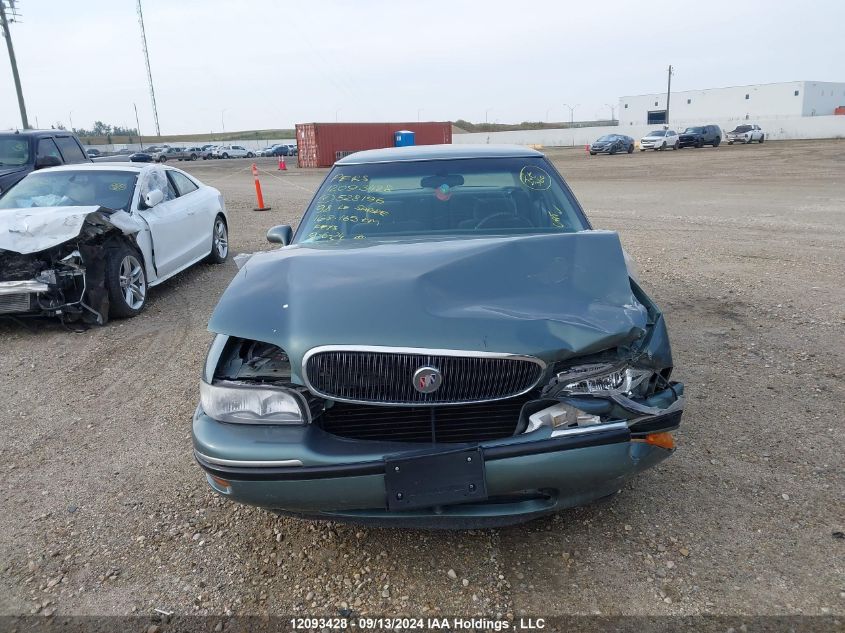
[(427, 379)]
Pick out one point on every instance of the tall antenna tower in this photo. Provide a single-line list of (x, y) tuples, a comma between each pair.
[(149, 72)]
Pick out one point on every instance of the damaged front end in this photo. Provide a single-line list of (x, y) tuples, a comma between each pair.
[(66, 279), (630, 384)]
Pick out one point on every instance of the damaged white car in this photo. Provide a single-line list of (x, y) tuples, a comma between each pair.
[(84, 242)]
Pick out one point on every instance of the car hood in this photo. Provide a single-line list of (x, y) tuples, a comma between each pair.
[(550, 296), (35, 229), (7, 170)]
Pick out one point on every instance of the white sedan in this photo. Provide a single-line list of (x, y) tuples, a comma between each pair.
[(660, 139), (84, 242)]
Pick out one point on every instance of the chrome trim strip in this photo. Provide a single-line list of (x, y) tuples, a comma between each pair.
[(593, 428), (240, 462), (419, 351), (30, 286)]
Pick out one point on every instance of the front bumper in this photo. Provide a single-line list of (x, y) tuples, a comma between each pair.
[(304, 471)]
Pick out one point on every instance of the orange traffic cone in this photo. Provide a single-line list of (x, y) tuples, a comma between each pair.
[(282, 166), (587, 148)]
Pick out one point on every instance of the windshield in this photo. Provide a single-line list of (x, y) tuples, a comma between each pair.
[(606, 137), (657, 133), (694, 130), (110, 189), (462, 197), (14, 150), (743, 128)]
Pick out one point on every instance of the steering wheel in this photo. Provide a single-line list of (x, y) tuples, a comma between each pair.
[(504, 214)]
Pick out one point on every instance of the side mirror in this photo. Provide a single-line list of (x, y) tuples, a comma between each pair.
[(154, 197), (47, 161), (281, 234)]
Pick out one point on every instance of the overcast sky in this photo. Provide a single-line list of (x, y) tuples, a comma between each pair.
[(270, 64)]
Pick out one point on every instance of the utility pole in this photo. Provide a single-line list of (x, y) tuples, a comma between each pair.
[(668, 93), (4, 22), (138, 126), (612, 111), (149, 72)]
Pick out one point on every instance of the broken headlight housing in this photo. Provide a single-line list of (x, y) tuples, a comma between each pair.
[(249, 382), (601, 379), (250, 404)]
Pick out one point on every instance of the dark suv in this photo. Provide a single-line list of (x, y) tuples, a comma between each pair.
[(701, 135), (24, 151)]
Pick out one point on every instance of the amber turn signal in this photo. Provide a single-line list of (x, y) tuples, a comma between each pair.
[(663, 440), (220, 482)]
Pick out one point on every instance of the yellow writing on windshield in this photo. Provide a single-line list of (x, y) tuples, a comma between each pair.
[(535, 177)]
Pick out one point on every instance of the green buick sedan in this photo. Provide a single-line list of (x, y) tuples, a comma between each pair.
[(443, 342)]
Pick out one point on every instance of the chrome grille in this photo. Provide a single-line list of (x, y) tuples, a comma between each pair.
[(18, 302), (385, 376)]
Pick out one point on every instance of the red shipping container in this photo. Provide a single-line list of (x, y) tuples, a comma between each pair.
[(321, 144), (839, 110)]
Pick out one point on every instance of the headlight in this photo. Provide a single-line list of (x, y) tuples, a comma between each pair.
[(601, 379), (250, 404)]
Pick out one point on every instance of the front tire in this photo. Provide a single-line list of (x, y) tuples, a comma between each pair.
[(219, 241), (762, 138), (250, 155), (126, 282), (716, 142), (630, 149), (224, 156), (675, 146), (163, 159)]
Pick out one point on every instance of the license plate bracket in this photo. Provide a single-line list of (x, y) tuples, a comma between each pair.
[(433, 479)]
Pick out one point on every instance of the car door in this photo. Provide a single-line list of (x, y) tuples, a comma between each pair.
[(172, 223), (201, 206)]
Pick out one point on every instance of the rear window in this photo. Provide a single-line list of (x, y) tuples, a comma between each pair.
[(464, 197), (14, 150)]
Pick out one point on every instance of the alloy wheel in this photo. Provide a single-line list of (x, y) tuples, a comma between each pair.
[(221, 239), (133, 283)]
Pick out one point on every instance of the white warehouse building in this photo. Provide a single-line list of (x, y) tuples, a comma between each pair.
[(737, 103)]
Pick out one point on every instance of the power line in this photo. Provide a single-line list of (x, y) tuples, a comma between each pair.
[(4, 22), (149, 72)]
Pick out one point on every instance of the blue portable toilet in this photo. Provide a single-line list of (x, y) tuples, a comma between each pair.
[(403, 138)]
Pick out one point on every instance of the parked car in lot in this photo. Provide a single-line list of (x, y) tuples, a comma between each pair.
[(443, 342), (700, 136), (746, 134), (24, 151), (170, 153), (208, 152), (193, 153), (659, 140), (293, 149), (141, 157), (612, 144), (92, 152), (97, 236), (232, 151)]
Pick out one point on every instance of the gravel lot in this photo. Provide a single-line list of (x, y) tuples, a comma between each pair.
[(105, 512)]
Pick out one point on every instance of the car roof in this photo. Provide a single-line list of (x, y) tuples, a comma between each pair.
[(115, 166), (437, 152), (30, 132)]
